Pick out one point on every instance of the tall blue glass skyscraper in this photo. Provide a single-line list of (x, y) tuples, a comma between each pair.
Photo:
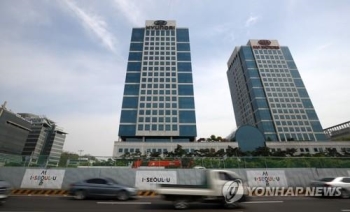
[(268, 93), (158, 101)]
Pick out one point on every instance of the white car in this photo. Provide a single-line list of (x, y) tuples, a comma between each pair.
[(5, 190), (343, 183)]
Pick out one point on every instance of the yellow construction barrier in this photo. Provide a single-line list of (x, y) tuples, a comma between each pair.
[(59, 192), (46, 192), (147, 193)]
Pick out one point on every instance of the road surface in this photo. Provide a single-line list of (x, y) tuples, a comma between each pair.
[(266, 204)]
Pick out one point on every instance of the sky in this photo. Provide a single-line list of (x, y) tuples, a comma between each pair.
[(66, 59)]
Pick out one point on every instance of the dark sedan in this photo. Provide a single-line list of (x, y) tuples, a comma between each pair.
[(101, 187)]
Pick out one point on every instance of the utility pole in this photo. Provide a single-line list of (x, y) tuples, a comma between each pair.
[(80, 151)]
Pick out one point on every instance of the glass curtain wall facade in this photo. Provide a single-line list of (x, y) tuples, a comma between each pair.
[(267, 92), (158, 100), (45, 142), (14, 131)]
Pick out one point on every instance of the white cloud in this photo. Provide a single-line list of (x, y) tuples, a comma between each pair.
[(251, 21), (130, 11), (94, 23), (324, 46)]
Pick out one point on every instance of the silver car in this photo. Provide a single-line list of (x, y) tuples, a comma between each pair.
[(5, 190)]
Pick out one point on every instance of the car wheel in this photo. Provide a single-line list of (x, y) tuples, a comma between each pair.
[(181, 204), (79, 195), (231, 205), (345, 194), (122, 195)]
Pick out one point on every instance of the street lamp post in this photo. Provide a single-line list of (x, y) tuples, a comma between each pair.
[(80, 151)]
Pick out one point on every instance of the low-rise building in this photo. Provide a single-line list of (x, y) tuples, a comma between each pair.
[(45, 142), (339, 131), (311, 147), (14, 131)]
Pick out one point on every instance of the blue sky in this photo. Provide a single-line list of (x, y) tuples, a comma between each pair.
[(66, 59)]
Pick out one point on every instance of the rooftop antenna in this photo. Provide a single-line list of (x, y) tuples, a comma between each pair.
[(4, 105)]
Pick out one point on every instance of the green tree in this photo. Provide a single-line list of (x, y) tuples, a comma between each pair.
[(65, 156), (319, 154), (136, 154), (291, 151), (279, 153), (155, 154), (235, 152), (204, 152), (332, 152), (261, 151), (345, 153), (126, 155), (170, 154), (220, 153), (211, 153), (179, 151)]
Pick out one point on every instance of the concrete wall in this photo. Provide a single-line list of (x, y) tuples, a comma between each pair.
[(295, 176)]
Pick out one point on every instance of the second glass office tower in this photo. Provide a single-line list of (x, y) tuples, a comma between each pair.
[(268, 93)]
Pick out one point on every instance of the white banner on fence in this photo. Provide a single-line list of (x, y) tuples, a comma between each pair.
[(148, 180), (267, 178), (43, 178)]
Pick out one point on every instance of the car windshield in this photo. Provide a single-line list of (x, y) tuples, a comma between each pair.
[(327, 179)]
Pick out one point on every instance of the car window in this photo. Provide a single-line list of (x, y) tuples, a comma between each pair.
[(97, 181), (346, 180), (112, 181), (225, 176), (327, 179), (221, 176)]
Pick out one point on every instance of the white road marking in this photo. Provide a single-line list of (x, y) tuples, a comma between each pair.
[(345, 210), (125, 203), (254, 202)]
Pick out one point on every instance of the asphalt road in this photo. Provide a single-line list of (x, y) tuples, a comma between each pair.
[(266, 204)]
